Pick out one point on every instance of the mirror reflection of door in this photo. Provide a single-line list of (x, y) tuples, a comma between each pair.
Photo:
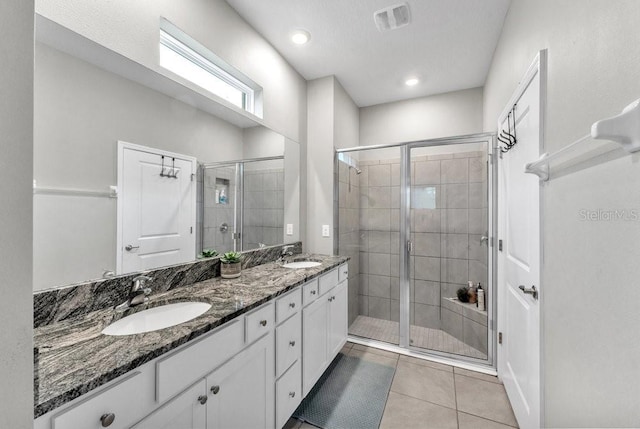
[(156, 208)]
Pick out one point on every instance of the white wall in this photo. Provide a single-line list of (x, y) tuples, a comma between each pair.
[(442, 115), (16, 141), (590, 280), (319, 164), (81, 112), (332, 122), (131, 28)]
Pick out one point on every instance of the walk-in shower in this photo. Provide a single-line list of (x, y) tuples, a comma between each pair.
[(415, 218), (242, 204)]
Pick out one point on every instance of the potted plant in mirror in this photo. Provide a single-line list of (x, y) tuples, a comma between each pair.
[(230, 266), (207, 253)]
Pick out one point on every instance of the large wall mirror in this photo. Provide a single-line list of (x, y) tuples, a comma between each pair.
[(83, 111)]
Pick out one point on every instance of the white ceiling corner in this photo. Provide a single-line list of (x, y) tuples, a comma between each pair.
[(448, 45)]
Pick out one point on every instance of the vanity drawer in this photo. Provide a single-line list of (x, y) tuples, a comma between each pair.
[(182, 368), (343, 273), (288, 304), (124, 403), (288, 394), (328, 281), (309, 292), (259, 322), (288, 343)]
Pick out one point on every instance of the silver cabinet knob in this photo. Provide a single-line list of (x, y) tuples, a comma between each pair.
[(215, 390), (263, 322), (313, 292), (292, 343), (202, 399), (107, 419), (292, 304), (292, 394), (129, 247)]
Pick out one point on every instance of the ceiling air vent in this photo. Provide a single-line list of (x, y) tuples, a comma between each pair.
[(392, 17)]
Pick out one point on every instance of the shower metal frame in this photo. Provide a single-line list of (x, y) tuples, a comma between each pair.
[(404, 346), (238, 201)]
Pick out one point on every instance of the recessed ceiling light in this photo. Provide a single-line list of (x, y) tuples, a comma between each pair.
[(413, 81), (300, 37)]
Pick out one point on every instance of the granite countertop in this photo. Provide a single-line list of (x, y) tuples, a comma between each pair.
[(73, 357)]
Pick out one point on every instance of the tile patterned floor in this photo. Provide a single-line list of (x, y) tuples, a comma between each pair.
[(428, 395), (426, 338)]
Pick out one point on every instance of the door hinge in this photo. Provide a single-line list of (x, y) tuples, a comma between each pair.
[(500, 245), (409, 246), (499, 337), (235, 236), (193, 176)]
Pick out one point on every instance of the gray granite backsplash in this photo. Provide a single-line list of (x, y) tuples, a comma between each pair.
[(61, 303)]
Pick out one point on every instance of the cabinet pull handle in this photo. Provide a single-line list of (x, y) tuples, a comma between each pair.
[(292, 394), (107, 419), (215, 390), (292, 304), (263, 322), (202, 399), (313, 292), (292, 343)]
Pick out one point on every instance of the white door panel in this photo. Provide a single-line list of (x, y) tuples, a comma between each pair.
[(519, 261), (157, 213)]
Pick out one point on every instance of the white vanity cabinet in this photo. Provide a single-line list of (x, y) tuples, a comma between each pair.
[(324, 325), (252, 372)]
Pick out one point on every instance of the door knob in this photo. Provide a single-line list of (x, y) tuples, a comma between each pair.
[(129, 247), (531, 291)]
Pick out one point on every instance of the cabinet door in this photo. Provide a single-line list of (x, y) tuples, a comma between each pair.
[(242, 391), (338, 319), (314, 341), (185, 411)]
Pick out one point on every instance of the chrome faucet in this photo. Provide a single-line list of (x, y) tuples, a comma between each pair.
[(139, 294), (286, 251)]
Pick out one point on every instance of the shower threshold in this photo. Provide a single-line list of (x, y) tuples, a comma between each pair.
[(425, 338)]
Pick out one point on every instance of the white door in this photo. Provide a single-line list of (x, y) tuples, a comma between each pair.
[(186, 411), (156, 213), (520, 258)]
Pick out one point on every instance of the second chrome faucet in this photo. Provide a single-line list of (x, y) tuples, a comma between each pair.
[(139, 293)]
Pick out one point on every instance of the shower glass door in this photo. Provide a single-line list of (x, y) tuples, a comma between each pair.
[(448, 226), (368, 193)]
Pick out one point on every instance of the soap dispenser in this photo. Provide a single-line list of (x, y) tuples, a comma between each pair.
[(481, 298)]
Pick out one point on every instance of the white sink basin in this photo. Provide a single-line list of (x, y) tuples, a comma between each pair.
[(157, 318), (302, 264)]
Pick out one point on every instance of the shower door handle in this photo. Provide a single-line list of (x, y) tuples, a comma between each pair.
[(409, 246), (484, 239)]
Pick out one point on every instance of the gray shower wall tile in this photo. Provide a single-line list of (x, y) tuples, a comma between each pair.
[(379, 308), (477, 195), (380, 264), (380, 197), (454, 170), (363, 305), (395, 174), (427, 268), (380, 175), (395, 266), (478, 222), (426, 244), (379, 219), (455, 221), (455, 196), (477, 169), (394, 283), (379, 286), (455, 271), (455, 246), (427, 316), (426, 220), (427, 292), (426, 172), (395, 220), (379, 241)]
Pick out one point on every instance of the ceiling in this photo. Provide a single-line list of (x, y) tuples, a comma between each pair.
[(448, 45)]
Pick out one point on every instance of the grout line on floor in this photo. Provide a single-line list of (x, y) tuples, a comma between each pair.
[(486, 418), (424, 400)]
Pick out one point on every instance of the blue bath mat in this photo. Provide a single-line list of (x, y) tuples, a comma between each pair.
[(351, 394)]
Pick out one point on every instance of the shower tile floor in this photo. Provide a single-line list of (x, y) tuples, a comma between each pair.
[(425, 338)]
